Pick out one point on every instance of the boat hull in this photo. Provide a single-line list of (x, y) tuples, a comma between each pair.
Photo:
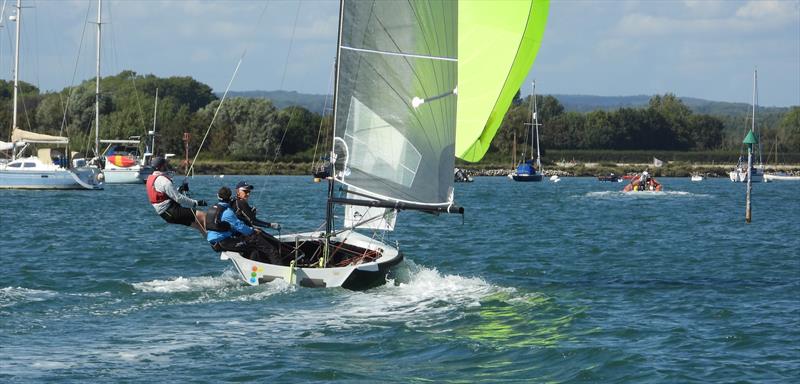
[(79, 179), (126, 176), (740, 176), (769, 177), (356, 277), (525, 177)]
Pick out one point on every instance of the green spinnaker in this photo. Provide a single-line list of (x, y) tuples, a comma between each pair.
[(497, 45)]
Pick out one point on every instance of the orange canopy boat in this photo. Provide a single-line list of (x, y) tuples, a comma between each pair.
[(643, 182)]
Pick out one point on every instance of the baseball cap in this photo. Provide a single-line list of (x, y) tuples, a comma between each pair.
[(244, 185)]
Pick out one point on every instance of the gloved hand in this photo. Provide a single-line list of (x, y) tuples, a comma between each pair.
[(184, 187), (201, 203), (275, 226)]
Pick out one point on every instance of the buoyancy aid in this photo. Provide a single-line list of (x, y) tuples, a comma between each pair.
[(214, 219), (154, 196)]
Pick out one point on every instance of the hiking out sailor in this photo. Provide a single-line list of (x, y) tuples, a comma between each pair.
[(243, 209), (227, 233), (168, 202)]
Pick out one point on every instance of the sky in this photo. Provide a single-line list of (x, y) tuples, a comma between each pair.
[(692, 48)]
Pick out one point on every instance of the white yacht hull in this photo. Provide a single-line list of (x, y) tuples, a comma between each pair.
[(740, 176), (769, 177), (80, 178), (126, 175), (358, 276)]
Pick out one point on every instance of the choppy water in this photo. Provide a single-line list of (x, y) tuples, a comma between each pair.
[(542, 282)]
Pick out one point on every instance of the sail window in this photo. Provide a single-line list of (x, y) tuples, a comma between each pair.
[(15, 165), (378, 148), (29, 165)]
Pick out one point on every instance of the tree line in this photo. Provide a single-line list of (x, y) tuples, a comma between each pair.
[(665, 124), (254, 129)]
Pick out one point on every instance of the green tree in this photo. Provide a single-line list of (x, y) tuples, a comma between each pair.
[(789, 128)]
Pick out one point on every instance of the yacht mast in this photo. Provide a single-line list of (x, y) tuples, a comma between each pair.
[(536, 128), (97, 87), (153, 132), (18, 19)]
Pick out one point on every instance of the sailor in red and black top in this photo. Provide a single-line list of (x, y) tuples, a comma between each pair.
[(171, 204)]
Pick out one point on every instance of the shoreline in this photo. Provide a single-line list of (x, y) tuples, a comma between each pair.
[(588, 169)]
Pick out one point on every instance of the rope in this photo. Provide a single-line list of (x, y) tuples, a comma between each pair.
[(283, 79), (190, 169), (321, 122), (74, 74), (216, 112)]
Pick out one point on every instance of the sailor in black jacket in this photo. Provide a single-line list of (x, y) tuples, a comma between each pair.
[(243, 209)]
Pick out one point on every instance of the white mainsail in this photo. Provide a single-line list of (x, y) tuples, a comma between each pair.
[(388, 147)]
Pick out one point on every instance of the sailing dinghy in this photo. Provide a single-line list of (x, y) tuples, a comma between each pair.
[(394, 136)]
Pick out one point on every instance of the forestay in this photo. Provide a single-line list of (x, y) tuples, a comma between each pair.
[(497, 45), (394, 131)]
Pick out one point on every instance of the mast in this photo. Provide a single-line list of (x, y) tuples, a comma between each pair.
[(329, 213), (755, 103), (153, 132), (97, 87), (18, 19), (536, 127), (330, 204)]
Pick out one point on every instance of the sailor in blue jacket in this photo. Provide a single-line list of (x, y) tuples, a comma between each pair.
[(227, 233)]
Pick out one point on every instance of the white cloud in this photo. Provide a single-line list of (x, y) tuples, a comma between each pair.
[(710, 17), (769, 11)]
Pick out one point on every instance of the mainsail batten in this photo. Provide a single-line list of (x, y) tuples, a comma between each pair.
[(388, 144), (400, 54)]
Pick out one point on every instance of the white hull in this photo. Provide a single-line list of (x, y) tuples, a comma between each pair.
[(43, 176), (740, 176), (131, 175), (363, 275), (697, 178), (769, 177)]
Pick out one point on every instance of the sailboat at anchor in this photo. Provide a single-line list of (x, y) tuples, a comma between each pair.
[(394, 139), (52, 165)]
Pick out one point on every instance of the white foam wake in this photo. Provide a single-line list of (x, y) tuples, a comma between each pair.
[(187, 284), (14, 295)]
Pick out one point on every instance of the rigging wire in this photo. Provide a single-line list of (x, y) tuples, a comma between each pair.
[(115, 57), (216, 112), (190, 168), (322, 121), (283, 79), (72, 87)]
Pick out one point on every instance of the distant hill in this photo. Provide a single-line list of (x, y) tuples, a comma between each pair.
[(588, 103), (283, 99), (575, 103)]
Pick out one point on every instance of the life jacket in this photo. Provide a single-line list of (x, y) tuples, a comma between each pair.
[(154, 196), (214, 220)]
